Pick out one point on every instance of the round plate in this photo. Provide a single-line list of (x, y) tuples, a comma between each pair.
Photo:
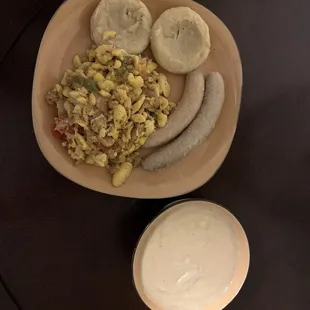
[(237, 232), (68, 34)]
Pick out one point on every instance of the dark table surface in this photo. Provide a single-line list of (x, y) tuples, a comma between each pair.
[(64, 247)]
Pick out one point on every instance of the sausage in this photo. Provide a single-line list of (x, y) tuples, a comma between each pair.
[(197, 131), (185, 112)]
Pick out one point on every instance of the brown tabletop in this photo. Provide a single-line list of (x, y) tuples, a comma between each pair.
[(64, 247)]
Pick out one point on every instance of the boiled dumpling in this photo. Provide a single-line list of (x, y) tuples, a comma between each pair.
[(123, 23), (180, 40)]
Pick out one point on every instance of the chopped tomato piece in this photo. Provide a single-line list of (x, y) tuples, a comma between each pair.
[(57, 134)]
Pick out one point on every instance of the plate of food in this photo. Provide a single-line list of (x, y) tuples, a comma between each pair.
[(136, 98)]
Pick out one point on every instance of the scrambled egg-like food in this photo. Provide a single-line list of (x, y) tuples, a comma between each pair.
[(108, 106)]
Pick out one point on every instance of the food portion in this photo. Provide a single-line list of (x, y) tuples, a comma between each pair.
[(185, 112), (114, 102), (108, 106), (197, 131), (124, 23), (180, 40), (190, 257)]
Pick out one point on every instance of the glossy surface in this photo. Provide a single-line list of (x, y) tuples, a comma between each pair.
[(69, 31)]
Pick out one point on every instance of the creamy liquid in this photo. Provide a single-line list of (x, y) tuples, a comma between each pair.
[(190, 259)]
